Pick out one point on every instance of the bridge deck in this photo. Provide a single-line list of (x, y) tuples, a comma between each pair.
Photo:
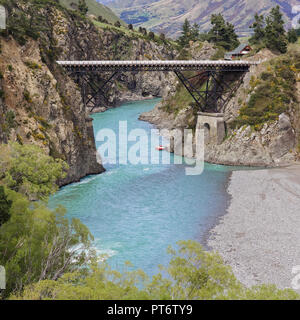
[(157, 65)]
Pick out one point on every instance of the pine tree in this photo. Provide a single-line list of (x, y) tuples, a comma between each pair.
[(218, 28), (231, 37), (195, 33), (292, 36), (276, 38), (82, 7), (185, 34), (258, 27), (223, 33)]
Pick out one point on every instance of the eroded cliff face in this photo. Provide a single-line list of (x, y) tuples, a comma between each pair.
[(41, 104), (34, 112)]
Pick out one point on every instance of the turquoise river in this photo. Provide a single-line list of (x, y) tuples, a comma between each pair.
[(136, 211)]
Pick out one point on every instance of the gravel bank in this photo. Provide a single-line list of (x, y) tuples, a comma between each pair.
[(260, 234)]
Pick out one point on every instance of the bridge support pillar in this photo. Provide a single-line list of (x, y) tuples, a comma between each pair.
[(213, 125)]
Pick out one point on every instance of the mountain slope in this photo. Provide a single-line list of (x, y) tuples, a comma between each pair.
[(168, 15), (95, 8)]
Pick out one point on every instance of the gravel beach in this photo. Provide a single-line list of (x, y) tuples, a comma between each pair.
[(260, 234)]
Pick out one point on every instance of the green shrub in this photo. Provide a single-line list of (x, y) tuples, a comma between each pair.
[(274, 93), (27, 96), (33, 65), (10, 119)]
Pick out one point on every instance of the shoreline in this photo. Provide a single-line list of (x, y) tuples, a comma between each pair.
[(259, 235), (216, 218)]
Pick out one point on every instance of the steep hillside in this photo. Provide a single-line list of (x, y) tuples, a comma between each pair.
[(40, 104), (168, 15), (95, 8)]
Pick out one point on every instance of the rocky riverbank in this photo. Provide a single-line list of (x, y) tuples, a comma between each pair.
[(259, 235)]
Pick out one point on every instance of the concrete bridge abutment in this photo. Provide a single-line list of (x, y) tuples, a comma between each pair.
[(213, 125)]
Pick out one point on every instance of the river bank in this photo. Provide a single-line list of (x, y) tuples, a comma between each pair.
[(259, 236)]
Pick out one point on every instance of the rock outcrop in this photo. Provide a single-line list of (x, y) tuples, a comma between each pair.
[(34, 112), (273, 145)]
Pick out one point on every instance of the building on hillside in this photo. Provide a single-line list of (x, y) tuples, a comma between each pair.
[(239, 52)]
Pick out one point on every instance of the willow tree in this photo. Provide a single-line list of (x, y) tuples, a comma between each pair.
[(29, 170)]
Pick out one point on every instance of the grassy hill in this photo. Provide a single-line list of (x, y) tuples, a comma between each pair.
[(95, 8), (168, 15)]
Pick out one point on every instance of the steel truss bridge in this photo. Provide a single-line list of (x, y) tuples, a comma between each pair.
[(211, 86)]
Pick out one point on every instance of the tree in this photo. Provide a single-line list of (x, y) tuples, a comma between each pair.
[(258, 27), (292, 36), (130, 26), (39, 244), (276, 38), (82, 7), (117, 24), (5, 206), (192, 274), (162, 37), (151, 35), (28, 170), (185, 34), (195, 32), (222, 33)]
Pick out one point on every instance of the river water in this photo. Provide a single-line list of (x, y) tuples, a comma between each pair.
[(136, 211)]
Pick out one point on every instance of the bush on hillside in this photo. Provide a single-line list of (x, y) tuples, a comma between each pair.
[(272, 93)]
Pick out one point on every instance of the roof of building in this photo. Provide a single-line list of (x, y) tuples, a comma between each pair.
[(239, 48)]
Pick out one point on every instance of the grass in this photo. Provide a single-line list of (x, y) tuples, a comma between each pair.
[(96, 9), (133, 34), (180, 101)]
